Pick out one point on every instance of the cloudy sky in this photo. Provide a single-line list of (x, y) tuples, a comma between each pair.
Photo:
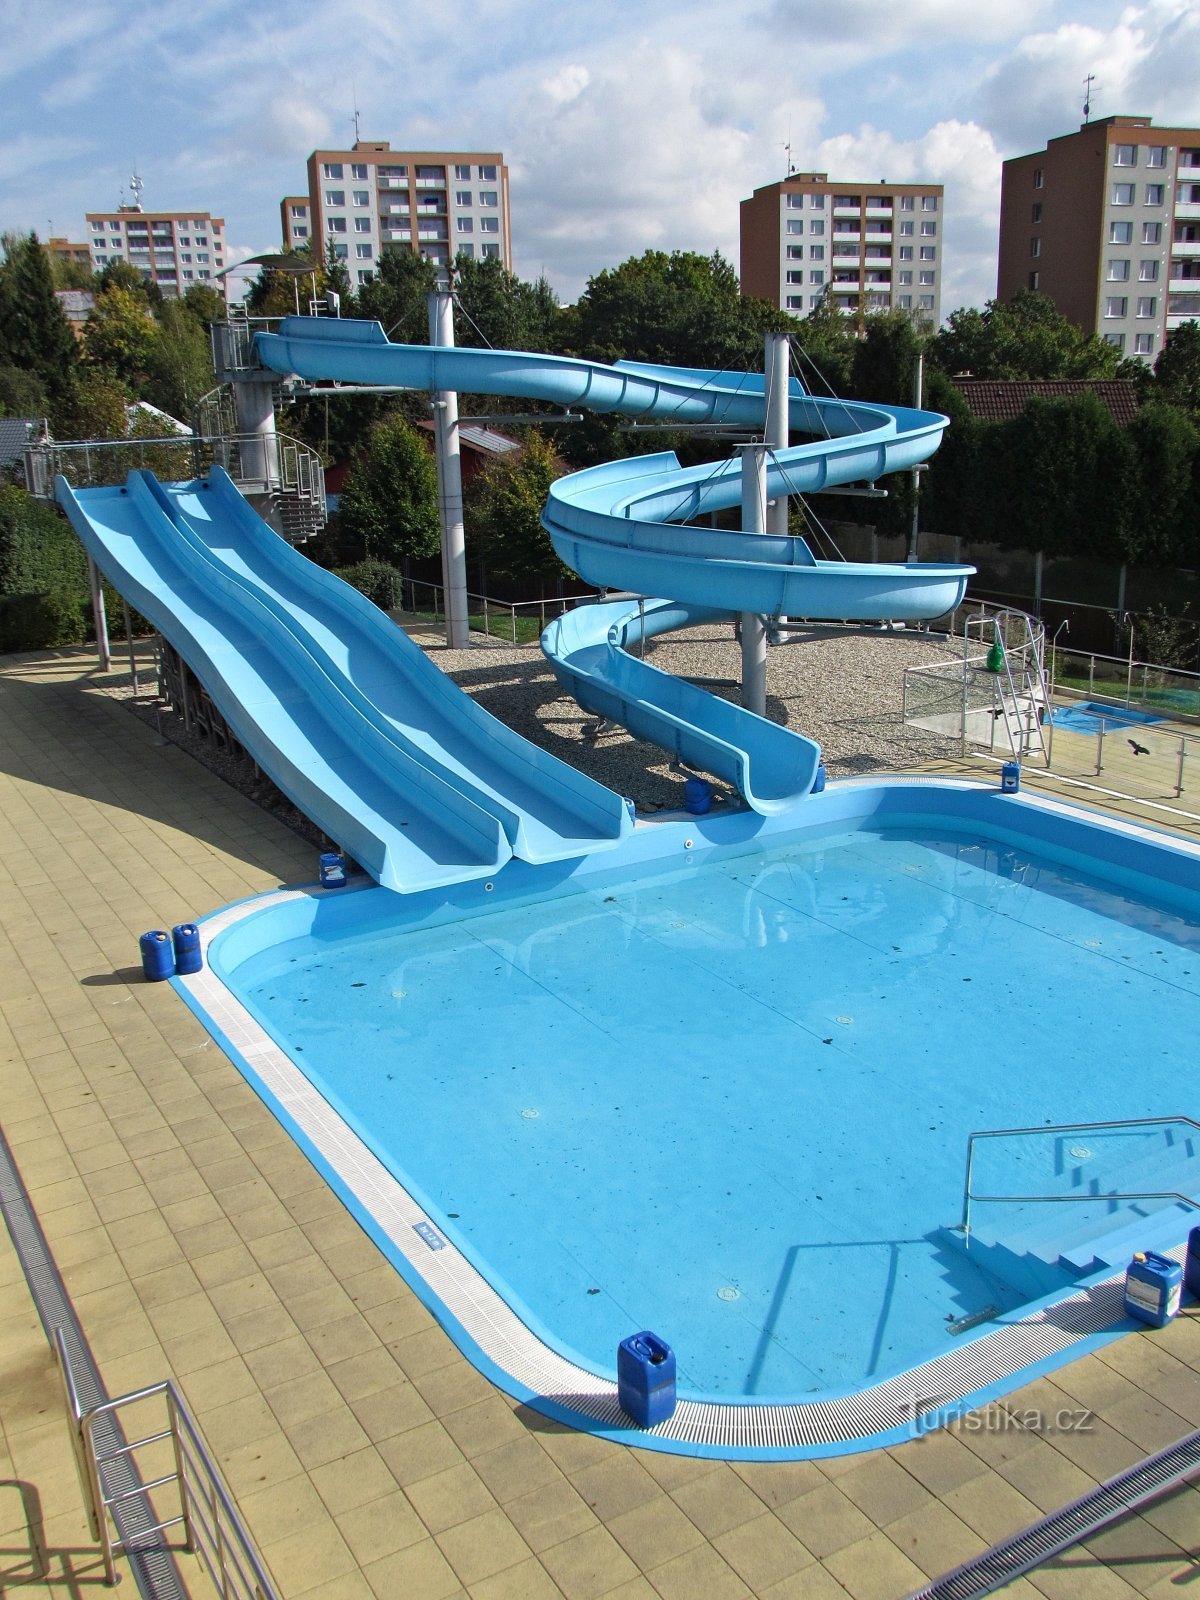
[(627, 124)]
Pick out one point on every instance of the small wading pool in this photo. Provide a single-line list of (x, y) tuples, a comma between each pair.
[(721, 1086), (1089, 716)]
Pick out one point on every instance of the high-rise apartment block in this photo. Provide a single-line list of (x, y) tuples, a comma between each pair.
[(868, 246), (173, 249), (440, 204), (1106, 222)]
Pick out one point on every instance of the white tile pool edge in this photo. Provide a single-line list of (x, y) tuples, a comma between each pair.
[(523, 1365)]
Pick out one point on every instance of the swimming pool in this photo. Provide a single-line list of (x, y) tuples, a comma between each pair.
[(722, 1087), (1089, 716)]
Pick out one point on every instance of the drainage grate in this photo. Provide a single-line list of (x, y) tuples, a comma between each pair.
[(1109, 1502), (150, 1560)]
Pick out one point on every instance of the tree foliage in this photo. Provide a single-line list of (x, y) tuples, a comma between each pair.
[(120, 335), (1025, 337), (504, 517), (35, 336), (1177, 370), (389, 503), (494, 308)]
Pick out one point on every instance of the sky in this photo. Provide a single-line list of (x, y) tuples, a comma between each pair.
[(627, 124)]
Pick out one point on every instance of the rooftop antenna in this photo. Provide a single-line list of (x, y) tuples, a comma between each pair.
[(354, 96), (1087, 96), (791, 167), (135, 184)]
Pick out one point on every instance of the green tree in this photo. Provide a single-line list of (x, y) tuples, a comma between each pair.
[(1165, 449), (1025, 337), (497, 309), (120, 334), (885, 359), (825, 343), (389, 503), (396, 296), (22, 394), (504, 515), (35, 336), (1177, 370), (1068, 478), (92, 408), (205, 303), (179, 363)]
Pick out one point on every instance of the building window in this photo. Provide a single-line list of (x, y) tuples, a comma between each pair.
[(463, 197), (1120, 233), (816, 252), (1151, 232), (1034, 279), (1147, 305), (362, 224), (1154, 194), (466, 224), (358, 170), (97, 227), (795, 252), (1035, 247), (1036, 215), (904, 276), (795, 277), (1148, 272), (332, 169), (1117, 340), (341, 251), (816, 230), (1122, 194), (1156, 155), (794, 227), (362, 197), (906, 252), (1039, 178), (364, 252), (926, 278), (906, 230), (925, 301), (1116, 306), (487, 174), (795, 202), (1143, 344), (490, 251), (201, 255), (335, 197), (489, 224), (335, 224), (205, 273), (299, 232), (488, 197), (929, 202), (928, 229), (1124, 155), (928, 252), (795, 302), (365, 274), (816, 278), (846, 201), (1118, 272), (462, 174), (184, 256), (467, 250)]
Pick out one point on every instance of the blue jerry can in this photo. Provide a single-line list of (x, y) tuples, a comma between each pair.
[(333, 870), (158, 958), (186, 939), (646, 1378), (1191, 1267), (1152, 1288)]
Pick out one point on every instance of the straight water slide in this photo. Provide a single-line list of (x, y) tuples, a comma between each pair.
[(373, 742)]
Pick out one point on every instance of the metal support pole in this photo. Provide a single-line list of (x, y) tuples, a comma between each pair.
[(449, 471), (754, 626), (95, 585), (777, 367), (129, 646), (914, 531)]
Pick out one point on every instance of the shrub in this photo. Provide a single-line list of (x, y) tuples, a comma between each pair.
[(43, 621), (378, 580)]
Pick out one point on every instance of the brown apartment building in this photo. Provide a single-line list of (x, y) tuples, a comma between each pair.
[(173, 249), (1106, 222), (869, 246), (439, 203)]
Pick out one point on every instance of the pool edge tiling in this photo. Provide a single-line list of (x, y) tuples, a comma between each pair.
[(491, 1333)]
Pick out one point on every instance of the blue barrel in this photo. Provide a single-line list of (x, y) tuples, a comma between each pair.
[(646, 1378), (186, 939), (819, 780), (158, 958), (333, 870), (1152, 1288), (697, 796), (1010, 777), (1191, 1266)]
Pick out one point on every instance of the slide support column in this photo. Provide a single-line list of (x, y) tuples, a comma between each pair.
[(449, 471), (777, 368), (753, 626)]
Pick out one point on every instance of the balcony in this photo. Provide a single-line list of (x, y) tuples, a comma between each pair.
[(397, 235), (431, 183), (1185, 247), (1187, 210)]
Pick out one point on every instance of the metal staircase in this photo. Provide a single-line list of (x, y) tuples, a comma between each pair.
[(1016, 664)]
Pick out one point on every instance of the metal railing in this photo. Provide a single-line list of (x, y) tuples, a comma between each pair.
[(490, 621), (966, 700), (212, 1528), (1168, 690), (969, 1195)]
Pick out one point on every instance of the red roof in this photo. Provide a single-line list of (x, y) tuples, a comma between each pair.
[(999, 400)]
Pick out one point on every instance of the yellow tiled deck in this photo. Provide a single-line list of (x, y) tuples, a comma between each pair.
[(367, 1456)]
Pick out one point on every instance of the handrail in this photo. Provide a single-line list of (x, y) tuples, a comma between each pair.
[(212, 1526), (1063, 1127)]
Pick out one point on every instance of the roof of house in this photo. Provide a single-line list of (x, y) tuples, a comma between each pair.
[(15, 434), (477, 436), (999, 400)]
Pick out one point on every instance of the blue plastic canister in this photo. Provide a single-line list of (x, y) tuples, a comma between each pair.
[(1191, 1266), (697, 796), (646, 1378), (1152, 1288), (819, 780), (186, 939), (1010, 777), (333, 870), (158, 958)]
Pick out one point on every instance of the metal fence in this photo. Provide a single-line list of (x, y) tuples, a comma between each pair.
[(510, 623)]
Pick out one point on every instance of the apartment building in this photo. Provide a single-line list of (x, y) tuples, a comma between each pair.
[(173, 249), (869, 246), (79, 253), (1106, 222), (372, 198)]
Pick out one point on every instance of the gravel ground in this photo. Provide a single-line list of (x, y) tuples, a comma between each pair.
[(840, 686)]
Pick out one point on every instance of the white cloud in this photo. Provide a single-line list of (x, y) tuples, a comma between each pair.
[(567, 84)]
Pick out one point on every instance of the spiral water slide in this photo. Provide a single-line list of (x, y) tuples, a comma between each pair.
[(373, 742)]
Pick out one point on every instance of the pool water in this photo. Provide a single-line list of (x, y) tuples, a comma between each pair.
[(1089, 716), (730, 1102)]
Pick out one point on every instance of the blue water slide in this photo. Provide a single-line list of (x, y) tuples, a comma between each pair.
[(549, 811), (400, 817)]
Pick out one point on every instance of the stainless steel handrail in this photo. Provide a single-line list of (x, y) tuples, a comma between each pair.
[(212, 1527), (1065, 1127)]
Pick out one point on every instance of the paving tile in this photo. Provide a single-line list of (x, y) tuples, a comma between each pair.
[(353, 1480), (421, 1569), (717, 1502), (588, 1564), (550, 1514), (482, 1546), (615, 1485), (379, 1527), (874, 1569), (825, 1520), (699, 1571), (655, 1531), (529, 1580), (882, 1490), (447, 1498)]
